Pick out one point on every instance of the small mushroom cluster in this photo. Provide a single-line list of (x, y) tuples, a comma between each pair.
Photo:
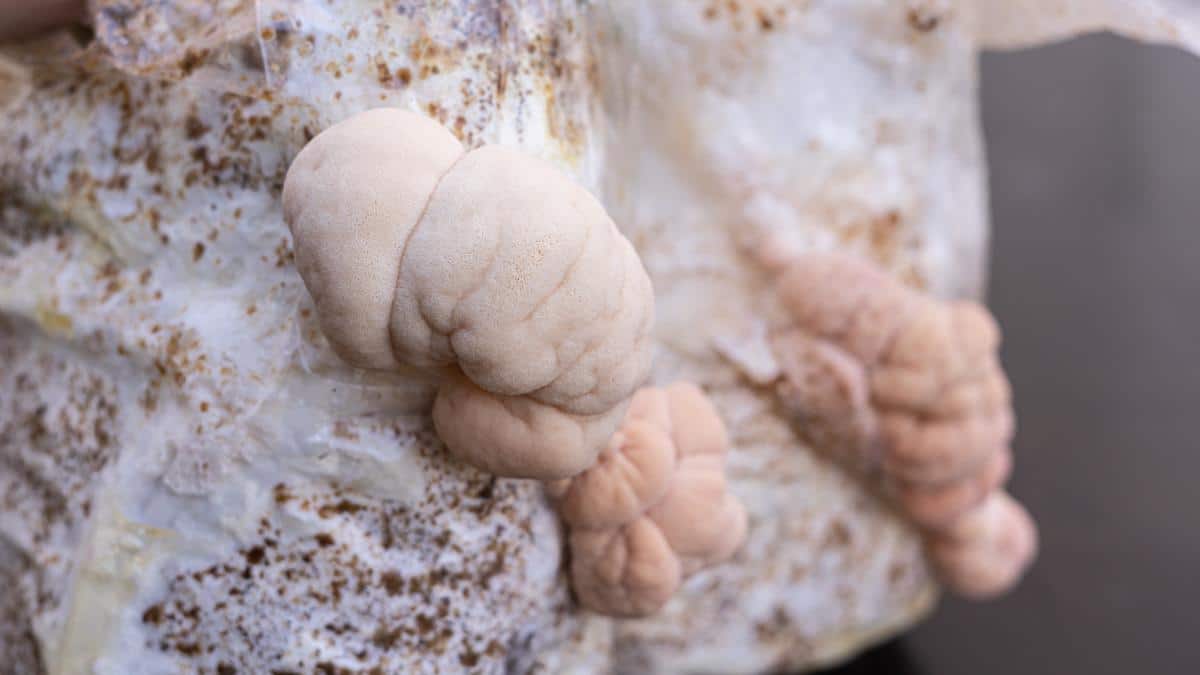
[(886, 377), (488, 270), (654, 508)]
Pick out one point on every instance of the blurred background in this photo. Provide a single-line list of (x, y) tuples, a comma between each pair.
[(1094, 150)]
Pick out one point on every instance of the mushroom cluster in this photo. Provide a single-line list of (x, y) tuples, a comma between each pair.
[(886, 377), (497, 276), (655, 507), (488, 270)]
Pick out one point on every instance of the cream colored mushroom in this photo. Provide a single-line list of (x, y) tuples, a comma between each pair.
[(654, 508), (893, 381), (490, 270)]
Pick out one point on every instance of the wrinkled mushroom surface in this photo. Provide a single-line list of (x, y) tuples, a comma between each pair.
[(489, 270), (896, 382), (654, 508), (985, 552)]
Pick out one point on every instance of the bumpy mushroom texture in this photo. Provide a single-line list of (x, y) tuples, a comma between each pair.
[(873, 365), (896, 383), (487, 269), (985, 552), (654, 508), (937, 507)]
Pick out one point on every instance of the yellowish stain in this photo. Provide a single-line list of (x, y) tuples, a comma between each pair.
[(52, 321)]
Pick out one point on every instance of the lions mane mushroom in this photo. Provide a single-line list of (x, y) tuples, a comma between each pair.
[(984, 553), (890, 379), (488, 269), (655, 507)]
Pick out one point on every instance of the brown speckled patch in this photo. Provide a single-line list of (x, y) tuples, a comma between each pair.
[(57, 430), (376, 587), (18, 646), (758, 16)]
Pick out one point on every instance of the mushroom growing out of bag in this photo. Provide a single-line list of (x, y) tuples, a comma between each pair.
[(655, 507), (489, 270), (890, 379)]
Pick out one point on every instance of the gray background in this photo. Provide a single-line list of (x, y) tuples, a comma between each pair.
[(1094, 148)]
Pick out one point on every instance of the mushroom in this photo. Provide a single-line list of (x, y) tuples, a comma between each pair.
[(937, 507), (984, 552), (489, 270), (655, 507), (891, 380), (826, 389)]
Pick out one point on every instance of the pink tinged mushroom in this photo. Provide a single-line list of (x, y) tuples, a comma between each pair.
[(826, 390), (654, 508), (889, 379), (985, 552), (871, 362), (489, 270), (937, 507), (629, 571)]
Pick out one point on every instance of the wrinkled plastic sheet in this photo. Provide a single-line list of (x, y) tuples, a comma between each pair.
[(224, 39)]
